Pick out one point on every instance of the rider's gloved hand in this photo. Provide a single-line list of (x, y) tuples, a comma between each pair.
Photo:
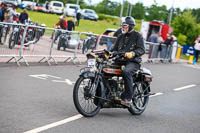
[(129, 55)]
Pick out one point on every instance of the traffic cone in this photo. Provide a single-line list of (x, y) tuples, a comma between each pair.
[(191, 57)]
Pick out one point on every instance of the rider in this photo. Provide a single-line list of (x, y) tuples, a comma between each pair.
[(132, 43)]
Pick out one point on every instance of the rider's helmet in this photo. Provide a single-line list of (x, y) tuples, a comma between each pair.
[(129, 21)]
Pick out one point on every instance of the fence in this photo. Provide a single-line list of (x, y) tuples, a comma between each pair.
[(21, 42), (161, 52)]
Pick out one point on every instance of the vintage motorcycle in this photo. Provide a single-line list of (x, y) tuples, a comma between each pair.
[(100, 85)]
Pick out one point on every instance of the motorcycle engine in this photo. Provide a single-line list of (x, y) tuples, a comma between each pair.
[(116, 88)]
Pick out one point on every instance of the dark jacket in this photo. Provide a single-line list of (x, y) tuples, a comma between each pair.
[(78, 15), (71, 25), (131, 42), (22, 17), (118, 32)]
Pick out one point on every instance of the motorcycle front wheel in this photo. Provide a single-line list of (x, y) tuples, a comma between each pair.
[(140, 98), (84, 102)]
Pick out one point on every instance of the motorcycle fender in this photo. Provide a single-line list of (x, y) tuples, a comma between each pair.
[(92, 75), (88, 75)]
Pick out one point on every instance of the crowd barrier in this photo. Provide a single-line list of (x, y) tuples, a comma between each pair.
[(20, 42), (55, 45), (162, 53)]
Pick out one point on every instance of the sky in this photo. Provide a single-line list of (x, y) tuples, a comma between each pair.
[(182, 4)]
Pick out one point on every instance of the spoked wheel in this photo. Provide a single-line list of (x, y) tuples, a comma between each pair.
[(84, 101), (140, 99)]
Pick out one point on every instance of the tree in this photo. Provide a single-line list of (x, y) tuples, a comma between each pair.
[(196, 13), (138, 11), (157, 13), (185, 24)]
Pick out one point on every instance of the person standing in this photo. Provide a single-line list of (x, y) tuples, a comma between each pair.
[(78, 17), (71, 25), (23, 16), (197, 48)]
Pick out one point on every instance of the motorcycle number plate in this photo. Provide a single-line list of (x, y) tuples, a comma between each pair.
[(91, 63)]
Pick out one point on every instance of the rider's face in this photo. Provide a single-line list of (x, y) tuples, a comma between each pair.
[(125, 28)]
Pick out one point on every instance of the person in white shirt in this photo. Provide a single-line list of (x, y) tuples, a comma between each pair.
[(197, 48)]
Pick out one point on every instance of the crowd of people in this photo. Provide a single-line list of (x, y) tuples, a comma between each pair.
[(65, 24), (8, 14)]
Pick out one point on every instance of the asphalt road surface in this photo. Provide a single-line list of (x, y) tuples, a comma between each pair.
[(39, 99)]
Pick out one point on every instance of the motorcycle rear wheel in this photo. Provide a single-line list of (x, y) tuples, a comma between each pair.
[(92, 105), (140, 99)]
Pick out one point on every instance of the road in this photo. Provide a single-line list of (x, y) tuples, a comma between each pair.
[(38, 98)]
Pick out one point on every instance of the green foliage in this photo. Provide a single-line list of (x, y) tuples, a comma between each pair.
[(138, 11), (182, 39), (157, 13), (185, 24)]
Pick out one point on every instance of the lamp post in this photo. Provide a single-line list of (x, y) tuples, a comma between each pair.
[(171, 13), (77, 2), (121, 13)]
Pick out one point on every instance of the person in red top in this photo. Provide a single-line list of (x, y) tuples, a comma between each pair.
[(66, 24)]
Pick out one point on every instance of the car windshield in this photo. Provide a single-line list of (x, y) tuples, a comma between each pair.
[(57, 4), (88, 11), (73, 7), (39, 4)]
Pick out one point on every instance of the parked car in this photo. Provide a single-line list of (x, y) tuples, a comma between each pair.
[(56, 7), (13, 2), (28, 5), (70, 9), (40, 7), (89, 14)]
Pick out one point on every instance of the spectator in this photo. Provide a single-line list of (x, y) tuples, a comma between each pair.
[(66, 24), (2, 10), (168, 44), (153, 47), (78, 17), (47, 5), (61, 24), (160, 41), (153, 37), (197, 48), (71, 25), (174, 48), (23, 16)]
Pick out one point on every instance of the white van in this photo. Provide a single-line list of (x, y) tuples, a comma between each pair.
[(56, 7), (70, 9)]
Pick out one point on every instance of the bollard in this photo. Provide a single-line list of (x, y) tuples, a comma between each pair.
[(191, 57), (194, 61), (178, 55)]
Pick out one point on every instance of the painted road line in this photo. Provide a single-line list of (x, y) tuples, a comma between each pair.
[(58, 123), (44, 76), (157, 94), (184, 87), (65, 81)]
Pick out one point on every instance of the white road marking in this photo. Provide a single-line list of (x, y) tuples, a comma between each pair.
[(44, 76), (157, 94), (58, 123), (184, 87), (65, 81)]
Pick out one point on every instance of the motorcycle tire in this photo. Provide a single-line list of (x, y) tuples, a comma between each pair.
[(96, 102), (140, 99)]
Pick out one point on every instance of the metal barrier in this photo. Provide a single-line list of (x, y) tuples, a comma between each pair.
[(160, 52), (28, 43), (20, 42)]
